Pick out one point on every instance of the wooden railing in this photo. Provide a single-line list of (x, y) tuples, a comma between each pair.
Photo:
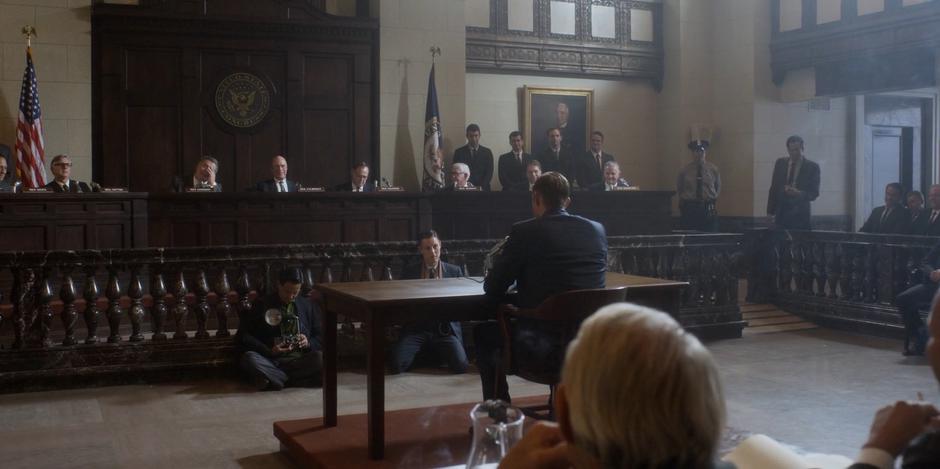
[(844, 280), (138, 310)]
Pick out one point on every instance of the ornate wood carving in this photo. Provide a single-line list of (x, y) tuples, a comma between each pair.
[(542, 52), (837, 50)]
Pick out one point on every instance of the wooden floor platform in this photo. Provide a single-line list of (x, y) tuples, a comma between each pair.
[(423, 437)]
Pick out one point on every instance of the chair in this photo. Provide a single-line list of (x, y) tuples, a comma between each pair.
[(568, 310)]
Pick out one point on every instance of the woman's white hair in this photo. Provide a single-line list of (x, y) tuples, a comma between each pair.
[(641, 392)]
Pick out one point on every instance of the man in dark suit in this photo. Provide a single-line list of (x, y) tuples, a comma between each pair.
[(358, 180), (931, 225), (794, 185), (6, 184), (477, 157), (279, 181), (279, 337), (203, 177), (919, 215), (589, 168), (512, 165), (555, 157), (892, 217), (551, 253), (612, 180), (62, 183), (907, 428), (443, 339), (911, 300)]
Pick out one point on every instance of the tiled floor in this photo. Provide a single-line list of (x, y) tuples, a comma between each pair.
[(815, 389)]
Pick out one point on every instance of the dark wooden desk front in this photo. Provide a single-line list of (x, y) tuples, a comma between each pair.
[(48, 221), (489, 215), (381, 304), (208, 219), (138, 220)]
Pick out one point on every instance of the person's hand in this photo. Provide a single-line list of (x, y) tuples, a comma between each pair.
[(302, 341), (542, 447), (895, 425), (211, 180), (280, 349), (791, 191), (935, 276)]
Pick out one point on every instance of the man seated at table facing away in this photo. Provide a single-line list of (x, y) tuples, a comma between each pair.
[(279, 338), (443, 340), (203, 177), (548, 254), (61, 171), (358, 180), (278, 181)]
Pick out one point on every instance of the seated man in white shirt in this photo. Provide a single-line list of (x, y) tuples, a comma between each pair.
[(279, 181), (459, 178), (203, 177), (612, 179)]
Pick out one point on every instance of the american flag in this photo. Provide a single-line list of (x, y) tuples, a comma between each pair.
[(30, 155)]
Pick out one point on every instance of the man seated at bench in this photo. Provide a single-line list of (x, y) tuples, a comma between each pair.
[(279, 338), (443, 339)]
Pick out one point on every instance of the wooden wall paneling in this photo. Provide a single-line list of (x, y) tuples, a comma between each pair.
[(327, 143), (190, 148), (294, 115), (112, 121), (271, 138), (153, 142)]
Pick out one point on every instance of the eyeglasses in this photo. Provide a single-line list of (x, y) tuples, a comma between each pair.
[(65, 165)]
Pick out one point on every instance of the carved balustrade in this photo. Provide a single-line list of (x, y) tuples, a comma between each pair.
[(178, 302), (846, 280)]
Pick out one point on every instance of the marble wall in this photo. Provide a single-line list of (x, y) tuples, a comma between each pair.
[(62, 57)]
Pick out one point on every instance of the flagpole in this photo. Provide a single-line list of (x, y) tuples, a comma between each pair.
[(30, 32), (435, 51)]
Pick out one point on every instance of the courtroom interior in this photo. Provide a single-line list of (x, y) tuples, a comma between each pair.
[(318, 233)]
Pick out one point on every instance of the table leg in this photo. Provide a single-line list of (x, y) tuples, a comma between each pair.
[(376, 385), (329, 367)]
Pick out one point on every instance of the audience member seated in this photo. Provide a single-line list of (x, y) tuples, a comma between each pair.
[(5, 174), (459, 177), (533, 171), (279, 181), (203, 177), (892, 217), (919, 215), (589, 168), (931, 226), (477, 157), (440, 341), (279, 338), (556, 157), (911, 300), (512, 165), (549, 254), (612, 179), (358, 180), (665, 409), (61, 170), (908, 429)]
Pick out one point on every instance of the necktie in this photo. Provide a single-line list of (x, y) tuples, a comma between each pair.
[(281, 187), (699, 188), (792, 173), (519, 157), (599, 164), (884, 216), (933, 216)]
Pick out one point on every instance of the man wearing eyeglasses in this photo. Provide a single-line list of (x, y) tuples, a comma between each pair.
[(61, 171)]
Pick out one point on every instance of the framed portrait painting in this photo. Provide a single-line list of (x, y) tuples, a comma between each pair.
[(569, 109)]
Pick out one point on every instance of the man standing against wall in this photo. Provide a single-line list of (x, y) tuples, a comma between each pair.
[(794, 185), (477, 157)]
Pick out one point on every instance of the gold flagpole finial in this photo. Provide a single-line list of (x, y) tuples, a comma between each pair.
[(435, 51), (30, 32)]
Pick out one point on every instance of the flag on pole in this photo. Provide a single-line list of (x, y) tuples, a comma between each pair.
[(30, 154), (433, 160)]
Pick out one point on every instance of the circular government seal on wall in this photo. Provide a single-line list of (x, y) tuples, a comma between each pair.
[(242, 100)]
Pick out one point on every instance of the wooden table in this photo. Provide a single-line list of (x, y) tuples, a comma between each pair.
[(381, 304)]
